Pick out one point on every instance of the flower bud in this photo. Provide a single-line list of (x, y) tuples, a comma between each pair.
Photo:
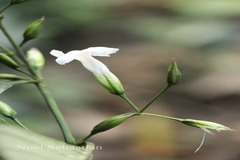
[(205, 124), (173, 74), (35, 58), (7, 111), (6, 60), (110, 123), (33, 29), (17, 1)]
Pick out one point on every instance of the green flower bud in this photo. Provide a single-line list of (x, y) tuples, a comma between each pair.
[(11, 77), (111, 123), (35, 58), (173, 74), (205, 124), (17, 1), (33, 29), (7, 111), (6, 60)]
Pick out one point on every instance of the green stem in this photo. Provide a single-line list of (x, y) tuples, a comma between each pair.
[(130, 102), (24, 72), (56, 112), (19, 123), (44, 91), (22, 43), (83, 140), (161, 116), (5, 50), (154, 98), (5, 7), (12, 54)]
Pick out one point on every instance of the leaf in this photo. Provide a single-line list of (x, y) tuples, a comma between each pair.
[(6, 84), (19, 144)]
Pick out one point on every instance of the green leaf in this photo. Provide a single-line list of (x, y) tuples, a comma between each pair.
[(6, 84), (19, 144)]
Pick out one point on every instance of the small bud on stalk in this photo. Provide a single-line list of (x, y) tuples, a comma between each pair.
[(33, 30), (35, 58), (106, 125), (173, 74), (111, 123), (6, 60)]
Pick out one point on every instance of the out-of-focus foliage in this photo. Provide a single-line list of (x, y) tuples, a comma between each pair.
[(203, 37), (183, 22)]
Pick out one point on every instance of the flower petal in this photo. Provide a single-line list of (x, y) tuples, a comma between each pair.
[(68, 57), (56, 53), (93, 65), (101, 51)]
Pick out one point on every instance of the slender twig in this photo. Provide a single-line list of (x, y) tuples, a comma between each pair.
[(162, 116), (56, 112), (154, 98), (130, 102), (82, 141), (26, 73), (22, 43), (6, 50), (5, 7)]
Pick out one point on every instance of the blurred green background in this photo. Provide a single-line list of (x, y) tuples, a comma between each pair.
[(203, 36)]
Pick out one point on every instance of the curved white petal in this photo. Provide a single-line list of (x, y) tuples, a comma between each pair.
[(101, 51), (56, 53), (68, 57), (93, 65)]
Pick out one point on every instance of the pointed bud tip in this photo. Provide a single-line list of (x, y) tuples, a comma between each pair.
[(33, 30), (174, 74)]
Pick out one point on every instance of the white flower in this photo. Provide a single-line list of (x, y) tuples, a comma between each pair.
[(106, 78)]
